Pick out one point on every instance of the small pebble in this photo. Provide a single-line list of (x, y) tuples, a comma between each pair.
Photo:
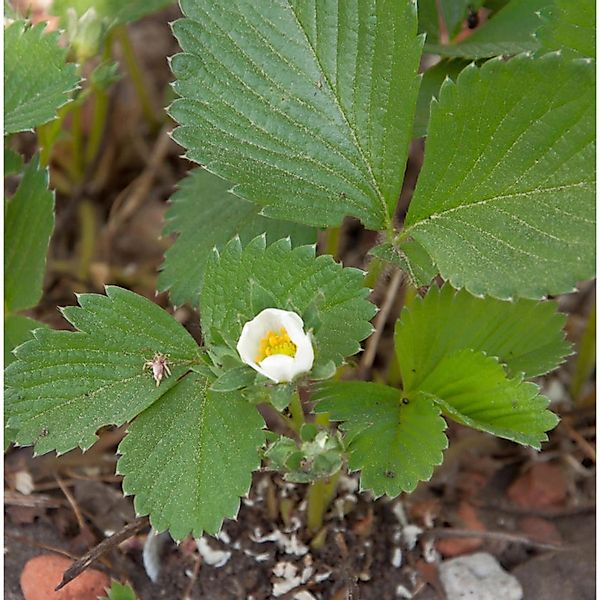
[(43, 573)]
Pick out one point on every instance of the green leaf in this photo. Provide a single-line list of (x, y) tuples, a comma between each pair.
[(472, 389), (506, 208), (114, 11), (510, 31), (526, 336), (119, 591), (571, 26), (17, 330), (31, 96), (240, 283), (409, 256), (234, 379), (65, 385), (29, 220), (395, 442), (206, 215), (430, 87), (13, 162), (306, 106), (190, 456)]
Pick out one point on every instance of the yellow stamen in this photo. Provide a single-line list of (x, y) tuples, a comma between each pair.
[(275, 343)]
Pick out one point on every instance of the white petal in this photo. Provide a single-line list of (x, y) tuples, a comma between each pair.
[(278, 367)]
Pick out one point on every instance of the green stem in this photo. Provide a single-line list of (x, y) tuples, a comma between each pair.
[(297, 412), (100, 110), (332, 243), (137, 77), (87, 243), (586, 357), (76, 144), (320, 494)]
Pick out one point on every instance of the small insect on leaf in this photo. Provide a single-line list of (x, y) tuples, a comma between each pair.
[(160, 367)]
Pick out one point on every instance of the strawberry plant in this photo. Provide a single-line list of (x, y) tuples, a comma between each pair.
[(300, 115)]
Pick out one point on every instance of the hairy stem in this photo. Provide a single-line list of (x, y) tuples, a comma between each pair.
[(320, 494)]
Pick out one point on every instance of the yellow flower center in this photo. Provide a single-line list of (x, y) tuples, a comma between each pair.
[(275, 343)]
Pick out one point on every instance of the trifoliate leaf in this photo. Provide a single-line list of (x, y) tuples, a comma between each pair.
[(190, 456), (13, 162), (570, 27), (206, 215), (510, 31), (31, 96), (29, 220), (306, 106), (395, 442), (525, 335), (113, 11), (409, 256), (65, 385), (473, 389), (331, 299), (504, 203), (430, 87)]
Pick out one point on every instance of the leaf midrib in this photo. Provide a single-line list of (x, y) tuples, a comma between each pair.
[(374, 183)]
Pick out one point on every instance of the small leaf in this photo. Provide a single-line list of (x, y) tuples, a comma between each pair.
[(17, 330), (234, 379), (472, 389), (307, 106), (190, 456), (29, 220), (396, 443), (13, 162), (65, 385), (510, 31), (119, 591), (294, 280), (571, 27), (504, 203), (29, 98), (409, 256), (206, 215), (527, 336)]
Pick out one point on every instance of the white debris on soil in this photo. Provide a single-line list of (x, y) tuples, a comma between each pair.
[(322, 576), (402, 592), (478, 577), (290, 544), (258, 556), (411, 534), (304, 595), (212, 557), (288, 579), (151, 553), (396, 557), (24, 482), (430, 554), (224, 537)]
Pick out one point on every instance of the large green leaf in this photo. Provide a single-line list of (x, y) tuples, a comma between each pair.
[(570, 26), (409, 256), (510, 31), (505, 200), (190, 456), (396, 443), (332, 301), (37, 81), (65, 385), (29, 220), (306, 106), (472, 389), (114, 11), (525, 335), (206, 215)]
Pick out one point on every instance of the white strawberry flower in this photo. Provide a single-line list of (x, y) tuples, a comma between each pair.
[(274, 344)]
